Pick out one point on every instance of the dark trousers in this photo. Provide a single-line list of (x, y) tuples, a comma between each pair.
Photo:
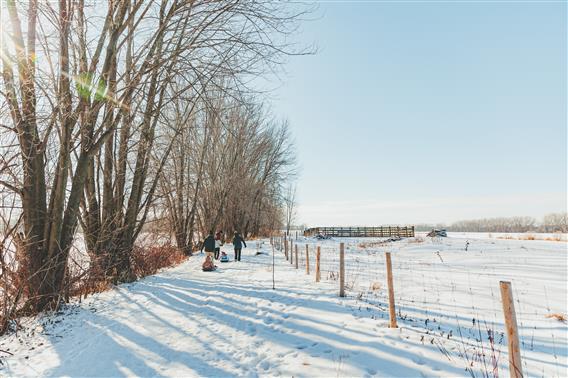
[(237, 254), (217, 253)]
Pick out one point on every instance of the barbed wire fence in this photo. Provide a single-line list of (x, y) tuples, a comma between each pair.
[(441, 302)]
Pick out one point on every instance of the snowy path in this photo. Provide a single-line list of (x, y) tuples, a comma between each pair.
[(185, 322)]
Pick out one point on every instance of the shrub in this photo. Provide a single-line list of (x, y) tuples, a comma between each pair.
[(558, 316), (148, 260)]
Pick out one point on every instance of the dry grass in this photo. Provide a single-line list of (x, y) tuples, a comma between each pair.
[(81, 280), (558, 316), (145, 261), (375, 286), (371, 244), (416, 240), (533, 237), (555, 238), (148, 260)]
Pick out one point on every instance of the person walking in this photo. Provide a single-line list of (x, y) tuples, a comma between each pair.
[(209, 244), (238, 243), (218, 244)]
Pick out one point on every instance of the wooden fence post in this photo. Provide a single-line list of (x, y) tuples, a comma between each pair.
[(515, 365), (342, 269), (318, 257), (392, 311), (285, 247), (307, 260), (296, 246), (291, 252)]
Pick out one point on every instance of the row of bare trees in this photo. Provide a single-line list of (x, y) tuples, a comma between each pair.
[(117, 114), (554, 222), (226, 172)]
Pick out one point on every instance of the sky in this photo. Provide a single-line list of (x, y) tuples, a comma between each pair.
[(422, 112)]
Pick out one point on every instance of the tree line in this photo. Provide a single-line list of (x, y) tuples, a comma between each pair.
[(120, 115), (554, 222)]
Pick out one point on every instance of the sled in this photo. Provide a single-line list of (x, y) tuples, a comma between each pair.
[(208, 265)]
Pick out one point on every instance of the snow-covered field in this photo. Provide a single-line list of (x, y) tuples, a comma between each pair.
[(185, 322), (511, 235)]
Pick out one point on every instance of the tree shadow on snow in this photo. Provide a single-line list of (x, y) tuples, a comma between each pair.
[(103, 345), (229, 304)]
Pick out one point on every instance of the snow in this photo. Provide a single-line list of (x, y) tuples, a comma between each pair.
[(557, 236), (185, 322)]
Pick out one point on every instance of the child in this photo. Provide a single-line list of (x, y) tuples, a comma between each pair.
[(209, 246), (218, 243), (208, 265)]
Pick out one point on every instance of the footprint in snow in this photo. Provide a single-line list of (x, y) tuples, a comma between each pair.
[(251, 330), (282, 354), (301, 347), (327, 351), (371, 371), (418, 361), (265, 365)]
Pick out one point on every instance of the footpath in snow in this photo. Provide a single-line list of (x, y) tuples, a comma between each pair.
[(185, 322)]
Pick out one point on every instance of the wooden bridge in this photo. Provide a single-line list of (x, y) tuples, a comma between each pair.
[(362, 232)]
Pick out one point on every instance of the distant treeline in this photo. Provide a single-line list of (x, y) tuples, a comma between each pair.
[(555, 222)]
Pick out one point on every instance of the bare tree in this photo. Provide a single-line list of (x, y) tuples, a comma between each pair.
[(555, 222), (290, 207), (89, 89)]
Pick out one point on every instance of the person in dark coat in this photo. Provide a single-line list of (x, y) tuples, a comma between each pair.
[(238, 243), (209, 244)]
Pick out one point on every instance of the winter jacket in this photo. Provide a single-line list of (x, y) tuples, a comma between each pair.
[(238, 242), (209, 244), (218, 240)]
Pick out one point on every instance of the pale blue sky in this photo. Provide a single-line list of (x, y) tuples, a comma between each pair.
[(429, 111)]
